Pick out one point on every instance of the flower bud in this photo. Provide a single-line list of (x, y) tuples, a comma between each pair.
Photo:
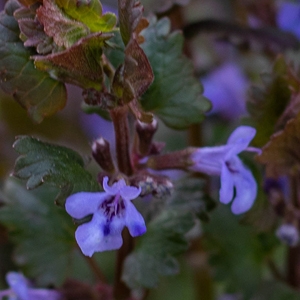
[(102, 155), (288, 234), (145, 134)]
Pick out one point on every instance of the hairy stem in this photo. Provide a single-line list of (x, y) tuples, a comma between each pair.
[(120, 121), (119, 117), (95, 268)]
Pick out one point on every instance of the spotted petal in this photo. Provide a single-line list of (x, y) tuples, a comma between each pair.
[(134, 220), (89, 235), (82, 204)]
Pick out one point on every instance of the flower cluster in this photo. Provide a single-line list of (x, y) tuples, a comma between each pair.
[(111, 210)]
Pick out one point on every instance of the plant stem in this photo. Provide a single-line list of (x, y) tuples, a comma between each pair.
[(120, 121), (95, 268), (121, 291), (119, 117)]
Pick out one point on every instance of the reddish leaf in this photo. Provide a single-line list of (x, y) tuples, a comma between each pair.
[(80, 64), (281, 154)]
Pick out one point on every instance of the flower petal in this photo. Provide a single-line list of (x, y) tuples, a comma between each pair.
[(112, 238), (209, 160), (89, 235), (227, 184), (134, 220), (130, 192), (246, 188), (240, 139), (19, 284), (81, 204), (115, 188)]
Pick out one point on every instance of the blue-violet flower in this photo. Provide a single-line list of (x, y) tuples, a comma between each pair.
[(111, 210), (20, 289), (223, 161)]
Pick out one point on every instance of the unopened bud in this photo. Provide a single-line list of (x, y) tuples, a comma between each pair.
[(102, 155), (145, 134), (288, 234)]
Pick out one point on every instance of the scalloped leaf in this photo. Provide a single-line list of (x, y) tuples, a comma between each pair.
[(43, 234), (89, 13), (59, 166), (131, 20), (175, 94), (34, 90), (57, 25), (80, 64)]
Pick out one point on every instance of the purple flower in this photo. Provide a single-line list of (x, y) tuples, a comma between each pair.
[(20, 289), (223, 161), (288, 17), (111, 211), (226, 88)]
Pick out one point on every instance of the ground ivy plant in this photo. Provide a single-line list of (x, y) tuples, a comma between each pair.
[(224, 205)]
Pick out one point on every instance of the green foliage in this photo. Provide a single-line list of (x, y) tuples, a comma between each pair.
[(33, 89), (237, 253), (165, 238), (268, 102), (42, 232), (175, 95), (59, 166), (89, 13)]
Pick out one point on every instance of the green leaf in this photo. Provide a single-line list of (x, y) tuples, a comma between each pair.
[(233, 249), (33, 89), (64, 31), (42, 232), (79, 65), (59, 166), (280, 154), (154, 254), (268, 102), (165, 238), (89, 13), (175, 95)]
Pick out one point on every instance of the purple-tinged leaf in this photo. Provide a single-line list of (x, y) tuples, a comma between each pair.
[(40, 95), (32, 31), (281, 154), (80, 64), (64, 30), (131, 20), (268, 103), (29, 2)]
